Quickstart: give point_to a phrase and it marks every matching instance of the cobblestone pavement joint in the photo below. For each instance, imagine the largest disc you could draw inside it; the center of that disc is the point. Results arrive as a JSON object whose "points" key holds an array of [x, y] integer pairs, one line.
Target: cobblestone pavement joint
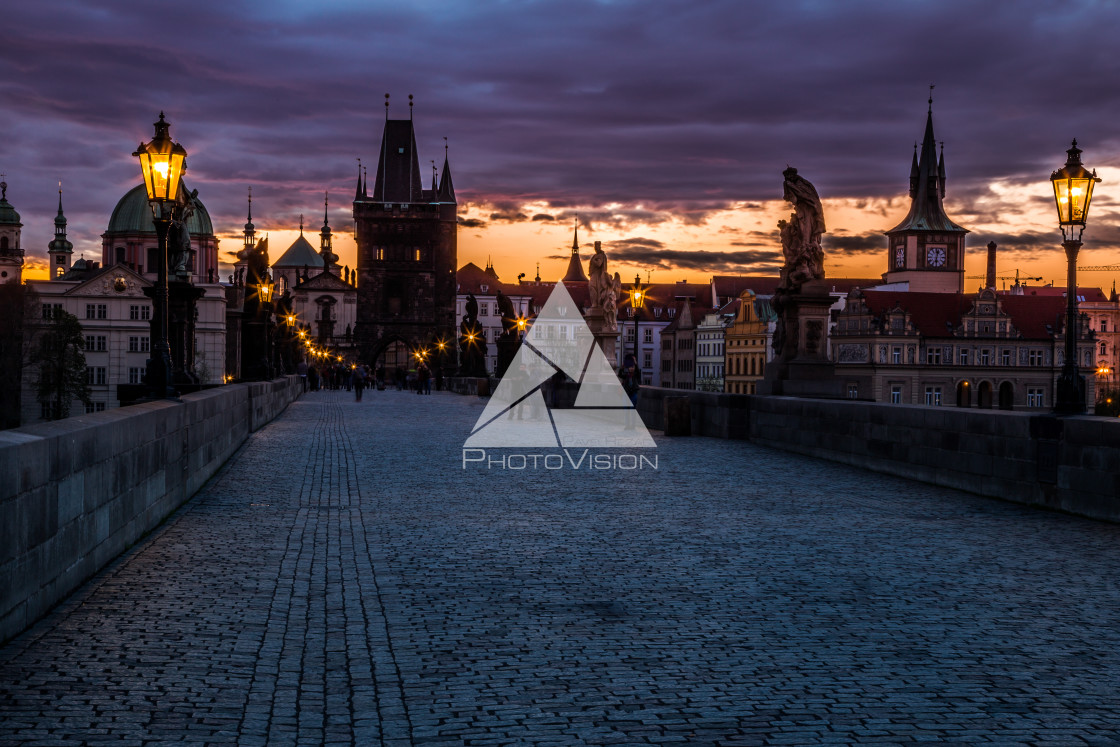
{"points": [[344, 581]]}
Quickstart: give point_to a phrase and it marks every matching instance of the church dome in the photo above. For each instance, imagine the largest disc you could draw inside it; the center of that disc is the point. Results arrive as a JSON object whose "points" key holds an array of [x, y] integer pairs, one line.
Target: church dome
{"points": [[132, 214], [8, 214]]}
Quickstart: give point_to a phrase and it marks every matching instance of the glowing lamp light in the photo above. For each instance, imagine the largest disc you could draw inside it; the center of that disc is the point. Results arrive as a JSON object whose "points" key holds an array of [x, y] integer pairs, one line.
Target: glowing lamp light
{"points": [[1073, 191], [162, 162]]}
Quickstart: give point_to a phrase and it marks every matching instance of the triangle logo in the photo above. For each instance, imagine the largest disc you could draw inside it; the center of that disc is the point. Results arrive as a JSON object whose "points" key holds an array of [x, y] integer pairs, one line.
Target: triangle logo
{"points": [[518, 414]]}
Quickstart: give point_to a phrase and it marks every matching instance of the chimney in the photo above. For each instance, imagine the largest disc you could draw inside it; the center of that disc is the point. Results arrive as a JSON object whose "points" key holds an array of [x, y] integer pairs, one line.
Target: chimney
{"points": [[991, 265]]}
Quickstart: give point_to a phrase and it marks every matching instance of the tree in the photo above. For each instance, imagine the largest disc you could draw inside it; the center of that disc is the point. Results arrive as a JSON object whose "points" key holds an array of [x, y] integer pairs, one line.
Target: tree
{"points": [[61, 365]]}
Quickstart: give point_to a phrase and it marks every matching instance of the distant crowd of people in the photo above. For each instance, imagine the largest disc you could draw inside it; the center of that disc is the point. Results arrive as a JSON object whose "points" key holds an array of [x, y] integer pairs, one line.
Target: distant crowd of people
{"points": [[358, 376]]}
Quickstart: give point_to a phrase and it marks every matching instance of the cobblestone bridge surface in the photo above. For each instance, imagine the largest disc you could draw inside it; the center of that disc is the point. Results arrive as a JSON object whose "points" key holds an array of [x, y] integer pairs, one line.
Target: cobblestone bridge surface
{"points": [[345, 581]]}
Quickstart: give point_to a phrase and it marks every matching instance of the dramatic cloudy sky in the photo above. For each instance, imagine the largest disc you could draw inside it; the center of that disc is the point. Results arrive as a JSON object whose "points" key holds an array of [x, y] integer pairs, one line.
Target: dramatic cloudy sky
{"points": [[662, 126]]}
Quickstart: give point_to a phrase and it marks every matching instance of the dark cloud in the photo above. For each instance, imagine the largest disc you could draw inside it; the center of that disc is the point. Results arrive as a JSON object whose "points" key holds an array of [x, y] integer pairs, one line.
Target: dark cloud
{"points": [[671, 110], [509, 217], [868, 243], [646, 254], [472, 223], [543, 216]]}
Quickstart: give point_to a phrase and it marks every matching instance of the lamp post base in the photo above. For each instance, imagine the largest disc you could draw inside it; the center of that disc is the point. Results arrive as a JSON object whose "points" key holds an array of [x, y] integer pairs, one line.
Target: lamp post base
{"points": [[1070, 399]]}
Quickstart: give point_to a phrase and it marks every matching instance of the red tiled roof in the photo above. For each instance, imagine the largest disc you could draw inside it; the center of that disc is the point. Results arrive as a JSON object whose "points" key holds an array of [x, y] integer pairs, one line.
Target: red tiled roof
{"points": [[1031, 314], [937, 314], [934, 314], [1083, 293]]}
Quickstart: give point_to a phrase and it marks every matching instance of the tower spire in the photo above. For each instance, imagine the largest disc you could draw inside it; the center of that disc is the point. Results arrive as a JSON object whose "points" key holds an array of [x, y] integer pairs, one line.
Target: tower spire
{"points": [[301, 224], [249, 237], [60, 249], [326, 251], [358, 189], [575, 266]]}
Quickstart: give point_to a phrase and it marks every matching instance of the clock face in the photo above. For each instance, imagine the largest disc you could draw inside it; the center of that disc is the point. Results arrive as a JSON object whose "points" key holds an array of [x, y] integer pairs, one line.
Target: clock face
{"points": [[120, 285], [935, 256], [899, 257]]}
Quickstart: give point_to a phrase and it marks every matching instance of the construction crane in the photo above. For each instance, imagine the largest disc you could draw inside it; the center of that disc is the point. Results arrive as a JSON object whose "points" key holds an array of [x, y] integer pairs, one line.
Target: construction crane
{"points": [[1099, 268], [1014, 277]]}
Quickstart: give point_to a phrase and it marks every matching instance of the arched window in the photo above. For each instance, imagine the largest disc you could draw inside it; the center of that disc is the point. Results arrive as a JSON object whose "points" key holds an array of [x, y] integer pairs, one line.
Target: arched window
{"points": [[1104, 348]]}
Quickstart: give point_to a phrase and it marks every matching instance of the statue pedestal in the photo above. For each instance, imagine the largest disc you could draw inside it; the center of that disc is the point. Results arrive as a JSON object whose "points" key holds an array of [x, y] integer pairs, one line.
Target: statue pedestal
{"points": [[181, 312], [507, 345], [801, 367], [605, 338]]}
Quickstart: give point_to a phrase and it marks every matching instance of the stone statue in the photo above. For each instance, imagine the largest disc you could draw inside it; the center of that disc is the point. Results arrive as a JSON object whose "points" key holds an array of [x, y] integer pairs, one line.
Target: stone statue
{"points": [[179, 252], [597, 276], [610, 302], [801, 234], [472, 308], [509, 314]]}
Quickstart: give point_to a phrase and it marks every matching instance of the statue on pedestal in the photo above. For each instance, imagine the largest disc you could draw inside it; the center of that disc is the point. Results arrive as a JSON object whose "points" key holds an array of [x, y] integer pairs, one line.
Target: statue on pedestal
{"points": [[801, 234]]}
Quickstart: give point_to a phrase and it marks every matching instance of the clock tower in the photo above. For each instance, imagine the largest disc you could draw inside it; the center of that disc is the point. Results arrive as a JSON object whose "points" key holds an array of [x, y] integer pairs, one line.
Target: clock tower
{"points": [[926, 249]]}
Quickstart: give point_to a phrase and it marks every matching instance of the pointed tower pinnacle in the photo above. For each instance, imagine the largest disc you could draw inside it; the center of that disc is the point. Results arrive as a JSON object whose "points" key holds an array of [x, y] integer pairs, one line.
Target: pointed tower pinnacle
{"points": [[330, 259], [446, 188], [249, 237], [575, 266], [358, 190], [59, 250]]}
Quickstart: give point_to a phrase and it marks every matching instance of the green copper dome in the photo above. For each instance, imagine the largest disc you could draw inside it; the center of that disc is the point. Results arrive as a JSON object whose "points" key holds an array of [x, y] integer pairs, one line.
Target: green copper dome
{"points": [[8, 214], [132, 214]]}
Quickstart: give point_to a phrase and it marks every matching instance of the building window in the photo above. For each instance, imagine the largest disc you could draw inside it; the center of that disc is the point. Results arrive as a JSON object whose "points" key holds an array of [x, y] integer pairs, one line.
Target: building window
{"points": [[138, 345], [1104, 325], [647, 335], [933, 356], [135, 375], [95, 407], [95, 375], [91, 311], [964, 356], [95, 343], [933, 396], [985, 357], [1005, 357], [647, 359], [1034, 358], [896, 355], [666, 366], [141, 313], [896, 394], [1034, 398], [50, 310], [1104, 348], [853, 391]]}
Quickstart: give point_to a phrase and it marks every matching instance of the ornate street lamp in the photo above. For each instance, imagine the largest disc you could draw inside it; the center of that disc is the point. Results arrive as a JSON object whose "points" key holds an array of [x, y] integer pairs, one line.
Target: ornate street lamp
{"points": [[162, 162], [637, 301], [1073, 190]]}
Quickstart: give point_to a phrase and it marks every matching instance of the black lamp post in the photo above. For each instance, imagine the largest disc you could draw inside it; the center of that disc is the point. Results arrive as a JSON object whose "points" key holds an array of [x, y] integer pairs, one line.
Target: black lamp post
{"points": [[1073, 190], [264, 295], [162, 162], [637, 301]]}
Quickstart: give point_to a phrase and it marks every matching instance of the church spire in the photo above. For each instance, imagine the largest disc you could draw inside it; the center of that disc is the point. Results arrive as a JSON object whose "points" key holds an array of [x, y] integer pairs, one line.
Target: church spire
{"points": [[575, 266], [60, 250], [249, 237], [330, 259], [446, 188], [358, 190]]}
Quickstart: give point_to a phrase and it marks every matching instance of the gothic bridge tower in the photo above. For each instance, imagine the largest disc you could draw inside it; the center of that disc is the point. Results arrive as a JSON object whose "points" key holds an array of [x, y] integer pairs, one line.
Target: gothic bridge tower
{"points": [[406, 237]]}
